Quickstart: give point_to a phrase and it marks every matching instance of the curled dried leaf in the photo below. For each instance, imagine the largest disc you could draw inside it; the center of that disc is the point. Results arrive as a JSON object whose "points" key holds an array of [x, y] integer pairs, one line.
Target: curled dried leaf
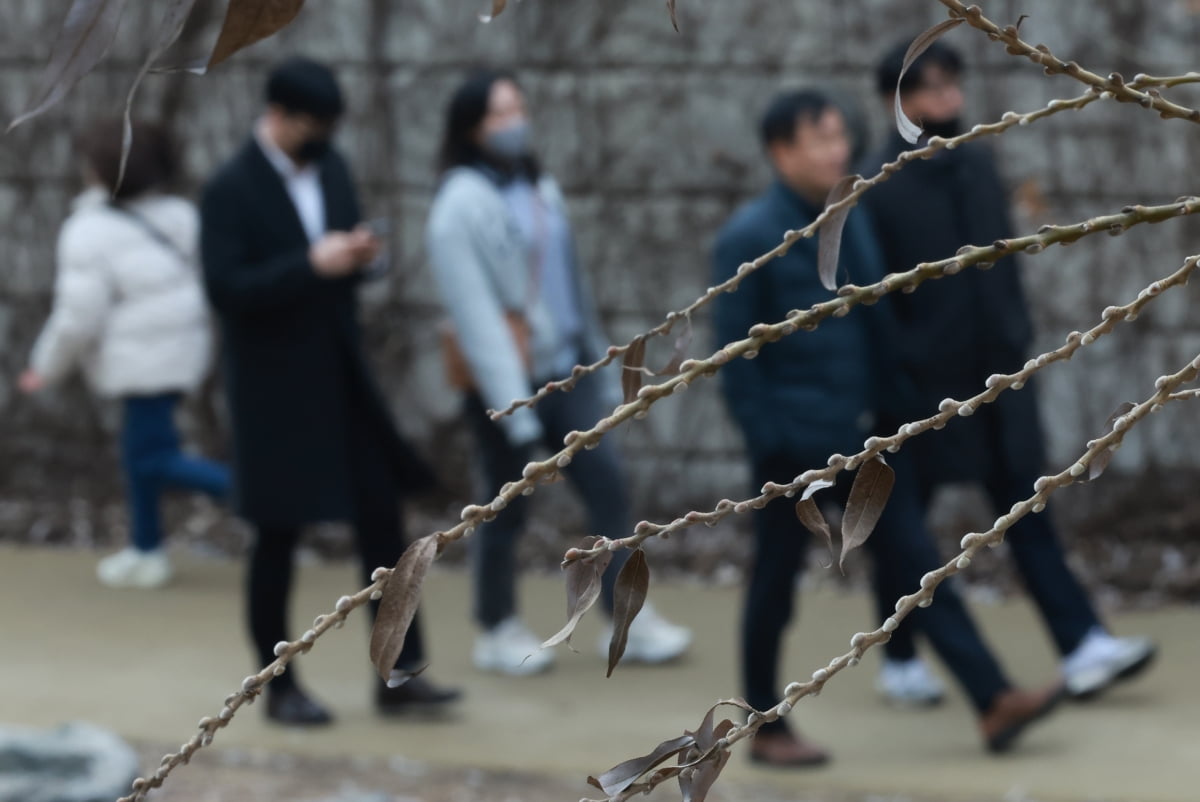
{"points": [[498, 7], [633, 368], [671, 12], [621, 776], [811, 518], [86, 35], [695, 784], [868, 496], [908, 129], [401, 595], [628, 597], [250, 21], [831, 234], [584, 581]]}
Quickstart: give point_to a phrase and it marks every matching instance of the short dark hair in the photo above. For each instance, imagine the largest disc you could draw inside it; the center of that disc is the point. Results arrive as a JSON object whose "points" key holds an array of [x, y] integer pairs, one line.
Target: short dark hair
{"points": [[887, 72], [464, 113], [789, 109], [152, 163], [303, 86]]}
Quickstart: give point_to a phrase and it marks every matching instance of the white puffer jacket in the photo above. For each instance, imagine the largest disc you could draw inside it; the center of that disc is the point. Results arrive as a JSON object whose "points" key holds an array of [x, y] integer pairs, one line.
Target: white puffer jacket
{"points": [[128, 308]]}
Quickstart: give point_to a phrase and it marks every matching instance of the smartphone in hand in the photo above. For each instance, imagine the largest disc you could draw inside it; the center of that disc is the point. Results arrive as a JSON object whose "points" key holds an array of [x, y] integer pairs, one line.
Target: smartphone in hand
{"points": [[379, 227]]}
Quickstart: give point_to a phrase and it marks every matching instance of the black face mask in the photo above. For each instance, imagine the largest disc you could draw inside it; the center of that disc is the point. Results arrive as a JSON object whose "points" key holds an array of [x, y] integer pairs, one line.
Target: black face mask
{"points": [[313, 150], [945, 129]]}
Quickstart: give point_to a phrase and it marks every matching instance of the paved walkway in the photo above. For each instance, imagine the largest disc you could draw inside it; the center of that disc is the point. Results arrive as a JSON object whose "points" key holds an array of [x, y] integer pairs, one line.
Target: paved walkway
{"points": [[150, 664]]}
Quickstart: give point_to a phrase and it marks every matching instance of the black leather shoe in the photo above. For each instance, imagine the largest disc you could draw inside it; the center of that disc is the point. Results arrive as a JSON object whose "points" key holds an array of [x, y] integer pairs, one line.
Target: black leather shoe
{"points": [[292, 707], [418, 695]]}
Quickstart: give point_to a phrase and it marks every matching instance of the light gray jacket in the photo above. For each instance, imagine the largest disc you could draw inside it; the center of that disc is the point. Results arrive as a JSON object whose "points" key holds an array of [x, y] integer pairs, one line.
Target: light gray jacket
{"points": [[481, 264]]}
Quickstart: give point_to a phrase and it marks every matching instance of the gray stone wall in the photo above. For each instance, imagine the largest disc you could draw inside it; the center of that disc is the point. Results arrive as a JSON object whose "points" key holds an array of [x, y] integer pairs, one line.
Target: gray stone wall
{"points": [[652, 135]]}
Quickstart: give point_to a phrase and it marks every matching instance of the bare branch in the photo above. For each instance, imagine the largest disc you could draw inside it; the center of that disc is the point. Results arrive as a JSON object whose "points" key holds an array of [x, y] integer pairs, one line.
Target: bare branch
{"points": [[972, 543]]}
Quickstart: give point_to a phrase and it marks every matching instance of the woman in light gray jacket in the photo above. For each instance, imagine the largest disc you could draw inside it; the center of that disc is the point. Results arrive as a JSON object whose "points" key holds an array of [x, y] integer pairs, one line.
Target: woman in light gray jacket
{"points": [[129, 311], [502, 253]]}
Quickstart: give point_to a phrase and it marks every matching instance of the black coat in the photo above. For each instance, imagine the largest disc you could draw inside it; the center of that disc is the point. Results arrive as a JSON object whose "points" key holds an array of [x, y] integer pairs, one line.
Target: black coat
{"points": [[297, 376], [958, 330]]}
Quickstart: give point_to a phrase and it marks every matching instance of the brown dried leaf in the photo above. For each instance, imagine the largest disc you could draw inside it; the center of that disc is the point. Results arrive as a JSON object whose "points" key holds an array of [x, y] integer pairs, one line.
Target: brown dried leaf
{"points": [[868, 496], [86, 35], [908, 129], [633, 368], [696, 783], [250, 21], [831, 234], [498, 7], [584, 581], [623, 775], [674, 18], [401, 595], [628, 597], [1100, 462], [810, 515]]}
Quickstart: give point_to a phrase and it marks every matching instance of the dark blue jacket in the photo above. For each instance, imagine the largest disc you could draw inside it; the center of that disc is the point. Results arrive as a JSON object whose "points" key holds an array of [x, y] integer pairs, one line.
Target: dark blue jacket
{"points": [[812, 393]]}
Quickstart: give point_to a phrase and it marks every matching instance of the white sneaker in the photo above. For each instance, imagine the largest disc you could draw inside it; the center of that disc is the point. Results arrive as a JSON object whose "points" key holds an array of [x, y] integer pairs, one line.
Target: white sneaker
{"points": [[652, 638], [1100, 660], [909, 683], [132, 568], [510, 648]]}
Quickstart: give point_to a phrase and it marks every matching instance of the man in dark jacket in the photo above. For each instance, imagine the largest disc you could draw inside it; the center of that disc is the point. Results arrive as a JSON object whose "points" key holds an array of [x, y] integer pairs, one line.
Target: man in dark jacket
{"points": [[816, 393], [954, 334], [283, 253]]}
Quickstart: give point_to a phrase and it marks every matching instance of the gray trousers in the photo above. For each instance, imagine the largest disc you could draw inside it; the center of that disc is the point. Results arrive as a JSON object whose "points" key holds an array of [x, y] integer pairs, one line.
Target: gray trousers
{"points": [[596, 476]]}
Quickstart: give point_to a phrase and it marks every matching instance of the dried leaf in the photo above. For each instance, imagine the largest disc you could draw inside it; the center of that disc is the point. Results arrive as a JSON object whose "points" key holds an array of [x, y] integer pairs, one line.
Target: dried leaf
{"points": [[584, 580], [1100, 462], [628, 597], [169, 30], [86, 35], [250, 21], [623, 775], [632, 369], [831, 234], [696, 783], [810, 515], [680, 351], [868, 496], [497, 9], [908, 129], [674, 18], [401, 595]]}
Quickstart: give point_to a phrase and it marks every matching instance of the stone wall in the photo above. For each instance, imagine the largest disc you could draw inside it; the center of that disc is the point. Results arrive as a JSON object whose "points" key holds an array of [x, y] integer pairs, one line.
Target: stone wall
{"points": [[652, 135]]}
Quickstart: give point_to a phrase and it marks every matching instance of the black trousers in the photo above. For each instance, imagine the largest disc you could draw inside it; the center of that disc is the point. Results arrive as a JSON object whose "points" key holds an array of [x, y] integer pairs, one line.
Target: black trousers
{"points": [[1065, 607], [379, 533], [902, 552], [595, 474]]}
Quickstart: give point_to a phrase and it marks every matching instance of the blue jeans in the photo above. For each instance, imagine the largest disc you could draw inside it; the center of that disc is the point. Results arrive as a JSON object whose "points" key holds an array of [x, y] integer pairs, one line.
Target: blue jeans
{"points": [[153, 461]]}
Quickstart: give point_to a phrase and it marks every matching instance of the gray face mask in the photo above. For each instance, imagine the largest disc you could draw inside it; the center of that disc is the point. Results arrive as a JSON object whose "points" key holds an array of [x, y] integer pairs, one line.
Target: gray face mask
{"points": [[510, 143]]}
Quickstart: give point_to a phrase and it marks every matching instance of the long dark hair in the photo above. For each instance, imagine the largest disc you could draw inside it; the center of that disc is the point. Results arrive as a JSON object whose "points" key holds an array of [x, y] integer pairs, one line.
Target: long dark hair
{"points": [[464, 114]]}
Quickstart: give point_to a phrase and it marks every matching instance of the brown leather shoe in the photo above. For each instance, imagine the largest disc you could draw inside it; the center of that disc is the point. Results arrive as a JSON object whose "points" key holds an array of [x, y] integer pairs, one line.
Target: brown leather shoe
{"points": [[1014, 710], [418, 695], [785, 750]]}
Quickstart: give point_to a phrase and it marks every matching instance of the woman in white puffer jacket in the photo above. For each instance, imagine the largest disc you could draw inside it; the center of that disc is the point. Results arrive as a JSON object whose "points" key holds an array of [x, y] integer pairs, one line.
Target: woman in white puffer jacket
{"points": [[129, 310]]}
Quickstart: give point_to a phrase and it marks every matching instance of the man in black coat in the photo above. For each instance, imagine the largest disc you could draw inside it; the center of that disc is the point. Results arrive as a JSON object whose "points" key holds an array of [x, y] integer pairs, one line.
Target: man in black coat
{"points": [[955, 333], [284, 253]]}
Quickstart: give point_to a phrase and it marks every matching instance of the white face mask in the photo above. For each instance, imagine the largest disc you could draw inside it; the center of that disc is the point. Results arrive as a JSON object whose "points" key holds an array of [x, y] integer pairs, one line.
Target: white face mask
{"points": [[509, 143]]}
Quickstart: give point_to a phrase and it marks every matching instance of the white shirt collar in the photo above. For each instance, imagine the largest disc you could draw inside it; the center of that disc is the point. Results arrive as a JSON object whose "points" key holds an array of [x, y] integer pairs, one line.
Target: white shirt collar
{"points": [[282, 162]]}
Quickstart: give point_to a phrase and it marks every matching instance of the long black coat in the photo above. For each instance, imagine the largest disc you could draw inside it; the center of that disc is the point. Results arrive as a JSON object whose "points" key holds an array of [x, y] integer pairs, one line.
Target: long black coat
{"points": [[295, 368], [959, 330]]}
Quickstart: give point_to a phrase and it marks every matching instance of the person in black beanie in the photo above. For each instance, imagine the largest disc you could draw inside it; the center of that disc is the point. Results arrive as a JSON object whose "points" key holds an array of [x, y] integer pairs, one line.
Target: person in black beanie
{"points": [[953, 335], [284, 252]]}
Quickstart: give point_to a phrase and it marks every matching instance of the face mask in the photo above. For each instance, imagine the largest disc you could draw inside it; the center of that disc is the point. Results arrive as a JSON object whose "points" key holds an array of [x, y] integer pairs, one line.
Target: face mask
{"points": [[945, 129], [313, 150], [509, 143]]}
